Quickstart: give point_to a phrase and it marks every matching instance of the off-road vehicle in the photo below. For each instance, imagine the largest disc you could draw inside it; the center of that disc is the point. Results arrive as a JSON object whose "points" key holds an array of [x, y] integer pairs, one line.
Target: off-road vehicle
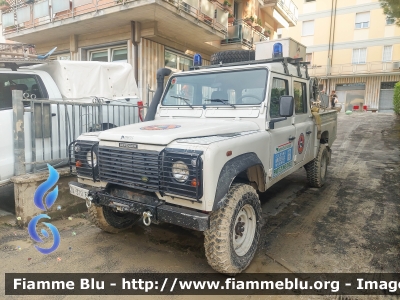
{"points": [[214, 136]]}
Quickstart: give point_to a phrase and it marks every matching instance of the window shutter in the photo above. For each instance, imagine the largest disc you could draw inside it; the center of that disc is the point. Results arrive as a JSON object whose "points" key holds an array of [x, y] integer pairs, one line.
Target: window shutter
{"points": [[355, 56], [308, 28], [387, 53], [362, 17], [363, 56]]}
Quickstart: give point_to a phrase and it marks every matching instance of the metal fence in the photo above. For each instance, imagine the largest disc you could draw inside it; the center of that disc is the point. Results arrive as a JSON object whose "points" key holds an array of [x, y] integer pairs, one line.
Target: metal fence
{"points": [[44, 128]]}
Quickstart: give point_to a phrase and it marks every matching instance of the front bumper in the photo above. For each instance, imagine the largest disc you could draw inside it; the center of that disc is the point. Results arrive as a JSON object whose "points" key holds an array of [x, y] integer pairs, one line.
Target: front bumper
{"points": [[140, 202]]}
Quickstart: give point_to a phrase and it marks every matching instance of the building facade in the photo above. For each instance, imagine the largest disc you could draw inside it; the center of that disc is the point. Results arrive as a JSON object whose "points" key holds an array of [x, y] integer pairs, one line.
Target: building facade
{"points": [[352, 47], [149, 34]]}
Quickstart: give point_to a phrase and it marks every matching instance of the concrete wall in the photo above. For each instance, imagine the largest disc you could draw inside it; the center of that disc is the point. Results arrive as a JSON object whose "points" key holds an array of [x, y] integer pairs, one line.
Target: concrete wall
{"points": [[25, 187]]}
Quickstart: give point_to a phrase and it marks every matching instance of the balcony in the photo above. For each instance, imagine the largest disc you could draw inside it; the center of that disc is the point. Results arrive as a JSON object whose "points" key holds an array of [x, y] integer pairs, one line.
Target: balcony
{"points": [[204, 11], [194, 21], [283, 8], [241, 33], [371, 68]]}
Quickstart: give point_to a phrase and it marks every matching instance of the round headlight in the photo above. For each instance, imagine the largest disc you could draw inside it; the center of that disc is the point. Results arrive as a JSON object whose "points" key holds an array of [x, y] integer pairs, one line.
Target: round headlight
{"points": [[89, 159], [180, 171], [77, 148]]}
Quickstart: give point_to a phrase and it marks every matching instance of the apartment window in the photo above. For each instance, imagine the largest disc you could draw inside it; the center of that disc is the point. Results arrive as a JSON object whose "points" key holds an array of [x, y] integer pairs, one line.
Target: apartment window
{"points": [[362, 20], [308, 28], [300, 97], [359, 56], [390, 21], [177, 61], [387, 53], [119, 54]]}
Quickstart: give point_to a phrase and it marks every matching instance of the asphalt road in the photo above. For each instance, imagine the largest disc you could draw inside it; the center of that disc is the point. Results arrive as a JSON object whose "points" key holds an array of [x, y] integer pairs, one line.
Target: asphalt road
{"points": [[351, 224]]}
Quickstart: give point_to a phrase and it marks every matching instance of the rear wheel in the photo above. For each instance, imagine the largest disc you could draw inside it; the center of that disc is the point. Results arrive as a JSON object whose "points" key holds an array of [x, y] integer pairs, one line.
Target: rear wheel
{"points": [[232, 239], [109, 220], [317, 168]]}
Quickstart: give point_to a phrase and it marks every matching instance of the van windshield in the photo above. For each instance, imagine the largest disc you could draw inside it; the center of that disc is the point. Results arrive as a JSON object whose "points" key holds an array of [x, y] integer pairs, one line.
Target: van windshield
{"points": [[240, 87]]}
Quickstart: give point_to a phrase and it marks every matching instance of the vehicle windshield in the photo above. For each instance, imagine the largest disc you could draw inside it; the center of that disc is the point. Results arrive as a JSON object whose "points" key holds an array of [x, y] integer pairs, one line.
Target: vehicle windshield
{"points": [[244, 87]]}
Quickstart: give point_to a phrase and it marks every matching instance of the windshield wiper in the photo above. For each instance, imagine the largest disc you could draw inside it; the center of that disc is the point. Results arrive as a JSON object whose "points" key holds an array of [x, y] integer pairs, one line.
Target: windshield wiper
{"points": [[224, 101], [184, 99]]}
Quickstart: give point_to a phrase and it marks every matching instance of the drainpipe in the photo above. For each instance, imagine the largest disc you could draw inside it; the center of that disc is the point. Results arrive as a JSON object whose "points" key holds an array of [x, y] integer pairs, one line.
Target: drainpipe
{"points": [[333, 34], [331, 42], [328, 64], [135, 37]]}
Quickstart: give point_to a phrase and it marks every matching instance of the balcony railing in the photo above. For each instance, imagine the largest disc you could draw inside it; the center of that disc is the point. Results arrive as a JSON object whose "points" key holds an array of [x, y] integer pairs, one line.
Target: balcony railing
{"points": [[204, 11], [286, 6], [355, 69], [21, 16], [240, 32]]}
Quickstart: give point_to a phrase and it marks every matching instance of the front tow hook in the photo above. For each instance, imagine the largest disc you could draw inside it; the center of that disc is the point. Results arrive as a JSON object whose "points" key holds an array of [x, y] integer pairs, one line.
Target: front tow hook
{"points": [[147, 218], [89, 200]]}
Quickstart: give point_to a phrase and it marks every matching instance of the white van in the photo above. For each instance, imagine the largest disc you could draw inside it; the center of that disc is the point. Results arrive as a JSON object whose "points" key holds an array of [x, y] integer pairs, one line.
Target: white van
{"points": [[68, 81]]}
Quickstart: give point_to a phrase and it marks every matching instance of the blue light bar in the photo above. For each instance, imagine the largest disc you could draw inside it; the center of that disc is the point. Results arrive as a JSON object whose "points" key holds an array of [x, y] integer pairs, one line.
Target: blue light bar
{"points": [[197, 60], [278, 50]]}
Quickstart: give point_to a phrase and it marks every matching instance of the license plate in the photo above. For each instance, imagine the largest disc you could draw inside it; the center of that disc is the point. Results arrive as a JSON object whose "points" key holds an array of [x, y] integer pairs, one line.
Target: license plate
{"points": [[78, 191]]}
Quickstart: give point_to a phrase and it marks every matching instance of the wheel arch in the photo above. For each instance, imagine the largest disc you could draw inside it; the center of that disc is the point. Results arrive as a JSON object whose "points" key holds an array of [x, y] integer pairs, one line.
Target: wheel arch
{"points": [[245, 164], [324, 137]]}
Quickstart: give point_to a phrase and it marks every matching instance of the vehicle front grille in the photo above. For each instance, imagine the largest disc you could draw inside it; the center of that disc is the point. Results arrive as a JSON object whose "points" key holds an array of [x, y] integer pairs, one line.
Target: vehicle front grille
{"points": [[152, 170], [132, 168]]}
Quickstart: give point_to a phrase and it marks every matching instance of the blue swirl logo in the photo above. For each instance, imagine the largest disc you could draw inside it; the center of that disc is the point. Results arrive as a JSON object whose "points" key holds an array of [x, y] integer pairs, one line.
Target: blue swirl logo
{"points": [[44, 204]]}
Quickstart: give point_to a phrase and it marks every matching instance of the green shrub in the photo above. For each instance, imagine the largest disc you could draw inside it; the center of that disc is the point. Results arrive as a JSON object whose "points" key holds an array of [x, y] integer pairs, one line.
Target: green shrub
{"points": [[396, 98]]}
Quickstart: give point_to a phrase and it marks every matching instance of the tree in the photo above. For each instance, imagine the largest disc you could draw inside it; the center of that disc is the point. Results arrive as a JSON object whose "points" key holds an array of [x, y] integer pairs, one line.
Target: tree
{"points": [[396, 98], [391, 8]]}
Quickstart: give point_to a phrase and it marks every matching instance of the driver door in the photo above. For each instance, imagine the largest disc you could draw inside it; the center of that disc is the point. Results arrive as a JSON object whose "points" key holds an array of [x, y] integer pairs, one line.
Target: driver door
{"points": [[283, 133]]}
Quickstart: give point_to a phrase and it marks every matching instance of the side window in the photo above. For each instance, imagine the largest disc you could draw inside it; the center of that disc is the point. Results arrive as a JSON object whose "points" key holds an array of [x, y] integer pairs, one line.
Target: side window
{"points": [[300, 97], [279, 88], [26, 83]]}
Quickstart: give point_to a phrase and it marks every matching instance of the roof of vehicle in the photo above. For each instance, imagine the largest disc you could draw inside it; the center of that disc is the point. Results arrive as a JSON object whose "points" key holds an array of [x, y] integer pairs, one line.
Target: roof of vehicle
{"points": [[277, 66]]}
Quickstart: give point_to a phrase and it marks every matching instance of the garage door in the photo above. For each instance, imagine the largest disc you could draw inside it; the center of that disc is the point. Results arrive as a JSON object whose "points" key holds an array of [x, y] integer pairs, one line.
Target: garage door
{"points": [[351, 94], [386, 97]]}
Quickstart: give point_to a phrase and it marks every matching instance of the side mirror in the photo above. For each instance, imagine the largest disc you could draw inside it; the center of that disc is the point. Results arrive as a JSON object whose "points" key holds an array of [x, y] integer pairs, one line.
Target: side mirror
{"points": [[286, 104]]}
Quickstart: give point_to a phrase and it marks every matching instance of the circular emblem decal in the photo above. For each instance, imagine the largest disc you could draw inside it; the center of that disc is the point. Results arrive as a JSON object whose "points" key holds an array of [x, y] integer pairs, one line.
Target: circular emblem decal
{"points": [[300, 144], [160, 127]]}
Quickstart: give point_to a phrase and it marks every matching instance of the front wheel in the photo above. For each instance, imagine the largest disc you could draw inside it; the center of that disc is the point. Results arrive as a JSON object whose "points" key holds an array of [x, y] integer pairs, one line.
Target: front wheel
{"points": [[232, 239]]}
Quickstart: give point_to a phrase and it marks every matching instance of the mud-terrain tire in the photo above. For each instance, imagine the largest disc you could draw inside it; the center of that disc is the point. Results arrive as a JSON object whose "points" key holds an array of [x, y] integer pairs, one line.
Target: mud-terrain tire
{"points": [[317, 168], [232, 56], [221, 239], [110, 221]]}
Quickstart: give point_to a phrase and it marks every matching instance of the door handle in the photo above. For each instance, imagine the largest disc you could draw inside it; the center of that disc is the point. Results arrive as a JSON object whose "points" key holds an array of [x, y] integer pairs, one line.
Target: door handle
{"points": [[292, 138], [309, 132]]}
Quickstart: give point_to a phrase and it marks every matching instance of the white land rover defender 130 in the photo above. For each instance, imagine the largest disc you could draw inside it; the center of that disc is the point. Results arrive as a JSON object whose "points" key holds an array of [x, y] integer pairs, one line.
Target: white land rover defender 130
{"points": [[212, 138]]}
